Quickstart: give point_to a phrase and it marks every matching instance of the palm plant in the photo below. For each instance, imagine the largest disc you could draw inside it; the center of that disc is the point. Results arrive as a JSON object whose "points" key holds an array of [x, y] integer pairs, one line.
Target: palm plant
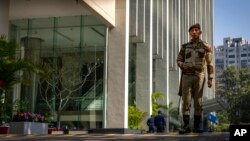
{"points": [[156, 97], [10, 65]]}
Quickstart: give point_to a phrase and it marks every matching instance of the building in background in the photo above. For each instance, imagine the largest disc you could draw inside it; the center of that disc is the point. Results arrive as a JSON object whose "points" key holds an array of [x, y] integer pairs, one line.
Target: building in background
{"points": [[120, 51], [234, 51]]}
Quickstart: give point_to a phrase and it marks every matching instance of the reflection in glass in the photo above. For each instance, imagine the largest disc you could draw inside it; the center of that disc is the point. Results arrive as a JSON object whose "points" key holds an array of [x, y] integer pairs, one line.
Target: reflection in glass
{"points": [[72, 50]]}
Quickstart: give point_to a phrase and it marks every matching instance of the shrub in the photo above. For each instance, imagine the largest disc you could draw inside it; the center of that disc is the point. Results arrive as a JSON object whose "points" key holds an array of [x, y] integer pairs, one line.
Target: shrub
{"points": [[27, 116], [135, 117]]}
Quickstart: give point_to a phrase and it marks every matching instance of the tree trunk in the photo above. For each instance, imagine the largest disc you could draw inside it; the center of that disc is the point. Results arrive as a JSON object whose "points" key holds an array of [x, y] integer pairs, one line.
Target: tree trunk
{"points": [[58, 120]]}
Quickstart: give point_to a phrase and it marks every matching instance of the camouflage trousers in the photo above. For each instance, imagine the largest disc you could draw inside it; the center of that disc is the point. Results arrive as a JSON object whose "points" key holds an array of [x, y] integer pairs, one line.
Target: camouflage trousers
{"points": [[192, 88]]}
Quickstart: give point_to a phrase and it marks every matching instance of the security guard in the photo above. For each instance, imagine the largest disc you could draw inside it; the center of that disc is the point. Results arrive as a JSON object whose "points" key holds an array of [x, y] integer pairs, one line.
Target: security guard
{"points": [[193, 58]]}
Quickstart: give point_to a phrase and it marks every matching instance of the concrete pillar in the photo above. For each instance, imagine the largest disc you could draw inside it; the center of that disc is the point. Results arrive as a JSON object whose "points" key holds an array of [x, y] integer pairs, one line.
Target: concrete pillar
{"points": [[137, 21], [144, 61], [4, 17], [161, 56], [117, 64], [32, 52]]}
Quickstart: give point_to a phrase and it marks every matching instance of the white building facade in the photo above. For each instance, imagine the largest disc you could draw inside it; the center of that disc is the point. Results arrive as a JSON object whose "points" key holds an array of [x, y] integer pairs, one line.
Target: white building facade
{"points": [[234, 51], [134, 43]]}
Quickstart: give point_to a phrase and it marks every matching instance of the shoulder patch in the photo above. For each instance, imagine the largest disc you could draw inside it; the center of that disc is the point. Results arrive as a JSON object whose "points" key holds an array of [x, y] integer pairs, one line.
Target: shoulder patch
{"points": [[207, 47]]}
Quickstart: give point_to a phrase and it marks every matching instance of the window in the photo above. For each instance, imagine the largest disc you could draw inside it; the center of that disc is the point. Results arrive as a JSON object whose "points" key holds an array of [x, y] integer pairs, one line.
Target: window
{"points": [[243, 55], [219, 61], [231, 50], [72, 49], [243, 61], [243, 49], [231, 56]]}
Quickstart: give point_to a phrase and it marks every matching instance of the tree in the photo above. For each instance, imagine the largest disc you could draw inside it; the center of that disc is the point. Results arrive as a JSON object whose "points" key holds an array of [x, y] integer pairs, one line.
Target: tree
{"points": [[10, 65], [236, 91], [10, 68], [223, 118], [62, 83]]}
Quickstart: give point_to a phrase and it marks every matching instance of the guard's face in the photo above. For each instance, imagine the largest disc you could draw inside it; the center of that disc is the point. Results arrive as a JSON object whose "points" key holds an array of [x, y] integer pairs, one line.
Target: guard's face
{"points": [[195, 33]]}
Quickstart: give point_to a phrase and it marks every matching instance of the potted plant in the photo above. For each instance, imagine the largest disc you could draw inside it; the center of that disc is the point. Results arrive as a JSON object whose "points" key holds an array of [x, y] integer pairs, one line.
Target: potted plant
{"points": [[4, 128], [28, 123], [24, 122], [10, 65]]}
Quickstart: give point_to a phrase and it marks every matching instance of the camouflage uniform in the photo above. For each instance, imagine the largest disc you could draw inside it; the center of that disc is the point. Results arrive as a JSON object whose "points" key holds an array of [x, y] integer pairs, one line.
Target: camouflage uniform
{"points": [[196, 56]]}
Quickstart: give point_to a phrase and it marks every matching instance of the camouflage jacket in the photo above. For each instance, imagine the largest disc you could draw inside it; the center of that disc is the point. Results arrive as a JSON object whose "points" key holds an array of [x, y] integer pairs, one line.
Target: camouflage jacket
{"points": [[196, 56]]}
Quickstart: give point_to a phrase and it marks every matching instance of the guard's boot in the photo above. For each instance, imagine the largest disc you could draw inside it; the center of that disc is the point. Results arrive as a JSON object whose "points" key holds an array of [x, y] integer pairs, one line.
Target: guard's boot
{"points": [[186, 128], [197, 128]]}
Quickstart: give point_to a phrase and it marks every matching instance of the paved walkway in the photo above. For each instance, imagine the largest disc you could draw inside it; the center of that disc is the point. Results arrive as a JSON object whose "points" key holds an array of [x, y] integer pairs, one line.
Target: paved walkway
{"points": [[120, 137]]}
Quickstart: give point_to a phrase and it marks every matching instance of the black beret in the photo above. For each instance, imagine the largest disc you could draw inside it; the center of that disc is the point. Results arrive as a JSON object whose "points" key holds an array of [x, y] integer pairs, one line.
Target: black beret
{"points": [[195, 26]]}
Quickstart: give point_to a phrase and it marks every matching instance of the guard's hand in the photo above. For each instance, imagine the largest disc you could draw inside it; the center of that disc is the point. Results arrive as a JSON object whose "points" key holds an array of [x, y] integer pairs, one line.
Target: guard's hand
{"points": [[209, 83], [185, 66]]}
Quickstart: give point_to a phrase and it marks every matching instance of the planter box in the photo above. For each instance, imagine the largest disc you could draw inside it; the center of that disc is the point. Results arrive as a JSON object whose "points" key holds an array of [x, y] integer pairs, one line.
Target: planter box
{"points": [[28, 128], [4, 129], [50, 130]]}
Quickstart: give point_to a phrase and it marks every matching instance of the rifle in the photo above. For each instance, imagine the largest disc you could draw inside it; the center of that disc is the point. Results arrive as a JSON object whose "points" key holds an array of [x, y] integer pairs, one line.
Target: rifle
{"points": [[180, 94], [180, 86], [179, 105]]}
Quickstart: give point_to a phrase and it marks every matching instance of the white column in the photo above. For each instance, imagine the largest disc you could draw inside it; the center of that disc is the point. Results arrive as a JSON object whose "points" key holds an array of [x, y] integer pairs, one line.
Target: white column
{"points": [[4, 17], [144, 59], [118, 57], [161, 76]]}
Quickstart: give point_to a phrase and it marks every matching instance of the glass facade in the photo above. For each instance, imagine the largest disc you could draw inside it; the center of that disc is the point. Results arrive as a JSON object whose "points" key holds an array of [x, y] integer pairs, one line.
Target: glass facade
{"points": [[72, 50]]}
